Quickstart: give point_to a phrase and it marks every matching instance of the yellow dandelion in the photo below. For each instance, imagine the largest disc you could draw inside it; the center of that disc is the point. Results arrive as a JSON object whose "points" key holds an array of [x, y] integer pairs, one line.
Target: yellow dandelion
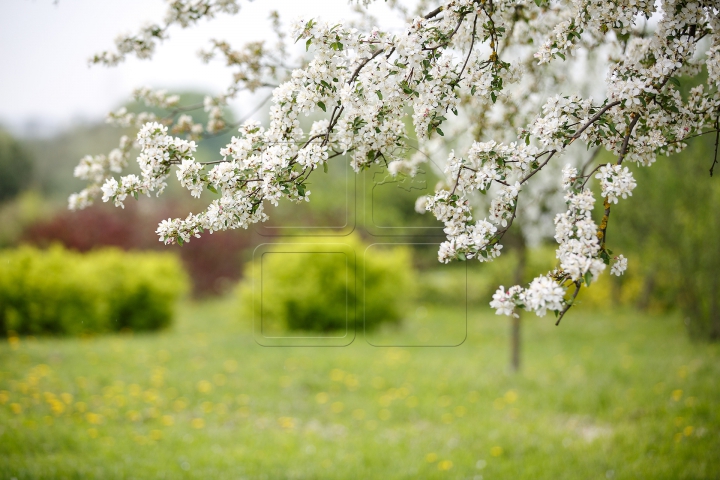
{"points": [[57, 407], [133, 415], [93, 418], [4, 397], [197, 423], [337, 407], [230, 366], [167, 420], [510, 396], [351, 382], [204, 386], [431, 457], [496, 451], [286, 422], [321, 398], [66, 397], [16, 408], [460, 411], [677, 395], [687, 431], [445, 465], [358, 414], [155, 434], [180, 404]]}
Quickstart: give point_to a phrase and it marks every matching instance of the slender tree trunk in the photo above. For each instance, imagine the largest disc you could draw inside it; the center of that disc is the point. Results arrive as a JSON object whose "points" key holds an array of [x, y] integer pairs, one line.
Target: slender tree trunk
{"points": [[515, 343], [715, 309]]}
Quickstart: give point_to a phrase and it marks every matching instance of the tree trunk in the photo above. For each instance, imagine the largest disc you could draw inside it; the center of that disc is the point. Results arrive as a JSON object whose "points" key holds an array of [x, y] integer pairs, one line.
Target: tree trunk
{"points": [[515, 343], [715, 309]]}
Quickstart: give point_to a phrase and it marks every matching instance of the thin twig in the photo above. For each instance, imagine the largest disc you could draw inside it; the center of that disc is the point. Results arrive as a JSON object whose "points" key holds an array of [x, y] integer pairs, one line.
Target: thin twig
{"points": [[570, 303], [717, 140]]}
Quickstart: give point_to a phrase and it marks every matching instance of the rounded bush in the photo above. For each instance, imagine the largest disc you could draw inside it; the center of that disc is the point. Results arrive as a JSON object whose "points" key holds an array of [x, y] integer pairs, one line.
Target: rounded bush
{"points": [[58, 291], [311, 290]]}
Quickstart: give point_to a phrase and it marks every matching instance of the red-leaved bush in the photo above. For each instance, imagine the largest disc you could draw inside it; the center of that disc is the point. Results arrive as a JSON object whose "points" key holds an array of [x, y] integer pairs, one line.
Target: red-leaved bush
{"points": [[213, 261]]}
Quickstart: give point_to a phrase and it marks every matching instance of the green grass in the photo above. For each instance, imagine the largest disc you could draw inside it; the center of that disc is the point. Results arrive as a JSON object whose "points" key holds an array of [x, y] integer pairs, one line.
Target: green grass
{"points": [[601, 396]]}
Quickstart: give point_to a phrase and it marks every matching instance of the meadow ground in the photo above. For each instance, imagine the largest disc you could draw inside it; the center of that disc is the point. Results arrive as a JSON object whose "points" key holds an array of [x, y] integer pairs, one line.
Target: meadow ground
{"points": [[617, 395]]}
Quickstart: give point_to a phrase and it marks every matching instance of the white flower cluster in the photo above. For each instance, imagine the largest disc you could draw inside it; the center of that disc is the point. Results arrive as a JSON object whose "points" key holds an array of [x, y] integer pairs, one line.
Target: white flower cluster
{"points": [[592, 18], [95, 169], [619, 266], [576, 234], [123, 118], [615, 181], [155, 98], [182, 12], [542, 294]]}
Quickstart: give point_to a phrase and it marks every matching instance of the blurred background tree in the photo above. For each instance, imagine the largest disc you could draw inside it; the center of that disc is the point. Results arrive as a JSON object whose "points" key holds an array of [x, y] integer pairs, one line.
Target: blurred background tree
{"points": [[16, 167], [670, 228]]}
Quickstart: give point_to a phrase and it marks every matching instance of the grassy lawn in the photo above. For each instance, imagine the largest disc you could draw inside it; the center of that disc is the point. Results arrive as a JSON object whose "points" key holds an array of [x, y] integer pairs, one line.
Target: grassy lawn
{"points": [[602, 396]]}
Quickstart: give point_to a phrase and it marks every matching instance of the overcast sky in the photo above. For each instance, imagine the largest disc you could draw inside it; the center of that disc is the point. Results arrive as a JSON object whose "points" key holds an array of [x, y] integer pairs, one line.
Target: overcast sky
{"points": [[44, 48]]}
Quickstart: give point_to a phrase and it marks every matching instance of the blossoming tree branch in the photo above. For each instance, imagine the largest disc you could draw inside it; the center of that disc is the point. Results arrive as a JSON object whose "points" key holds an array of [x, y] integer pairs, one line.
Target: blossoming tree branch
{"points": [[469, 55]]}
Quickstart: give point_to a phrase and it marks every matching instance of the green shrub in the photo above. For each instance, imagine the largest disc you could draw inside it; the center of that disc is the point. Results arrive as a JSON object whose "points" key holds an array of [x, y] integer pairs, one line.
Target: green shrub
{"points": [[310, 288], [59, 291]]}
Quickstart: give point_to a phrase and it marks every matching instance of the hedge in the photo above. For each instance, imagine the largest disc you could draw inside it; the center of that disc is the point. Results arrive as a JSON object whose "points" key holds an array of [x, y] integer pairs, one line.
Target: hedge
{"points": [[59, 291]]}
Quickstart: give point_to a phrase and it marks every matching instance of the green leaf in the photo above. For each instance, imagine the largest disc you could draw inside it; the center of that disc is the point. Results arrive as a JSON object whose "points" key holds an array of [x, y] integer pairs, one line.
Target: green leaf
{"points": [[135, 194], [307, 44], [301, 190], [440, 132], [461, 257], [322, 105], [325, 167], [379, 94], [180, 241], [211, 188]]}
